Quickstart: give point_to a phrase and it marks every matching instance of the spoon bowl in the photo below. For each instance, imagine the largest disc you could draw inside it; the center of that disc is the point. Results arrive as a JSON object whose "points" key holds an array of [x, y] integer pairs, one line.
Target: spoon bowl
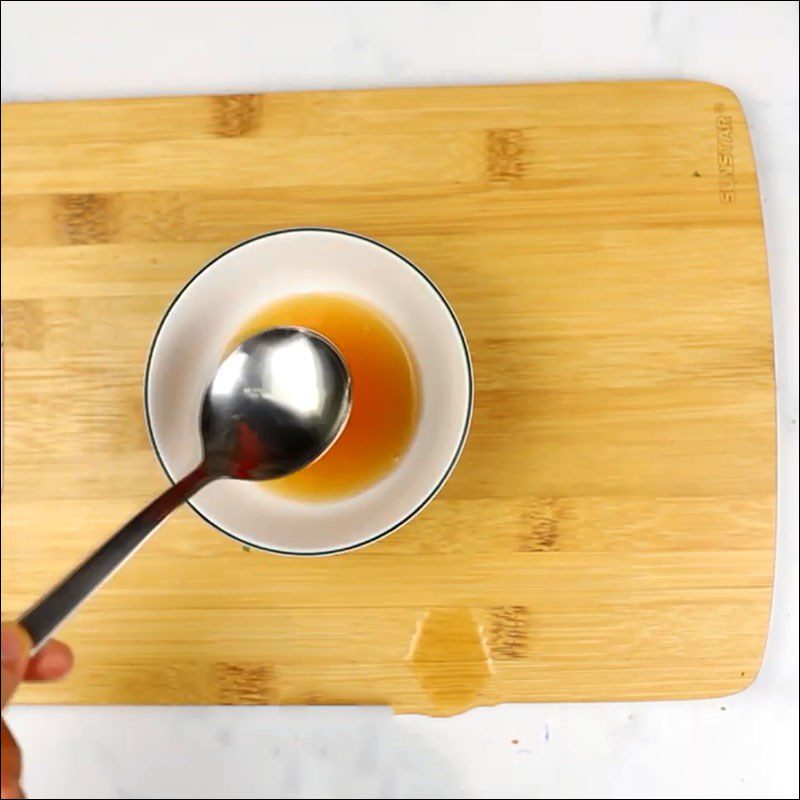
{"points": [[277, 403]]}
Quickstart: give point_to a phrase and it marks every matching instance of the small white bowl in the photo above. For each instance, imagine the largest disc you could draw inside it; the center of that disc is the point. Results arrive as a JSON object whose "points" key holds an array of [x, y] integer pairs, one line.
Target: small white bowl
{"points": [[209, 310]]}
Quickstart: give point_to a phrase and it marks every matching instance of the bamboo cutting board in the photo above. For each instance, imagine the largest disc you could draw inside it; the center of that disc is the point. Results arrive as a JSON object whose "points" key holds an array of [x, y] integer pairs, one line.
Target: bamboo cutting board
{"points": [[609, 532]]}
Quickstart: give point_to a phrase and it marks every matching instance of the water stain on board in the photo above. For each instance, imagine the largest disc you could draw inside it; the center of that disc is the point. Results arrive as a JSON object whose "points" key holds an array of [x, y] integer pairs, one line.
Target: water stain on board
{"points": [[450, 658]]}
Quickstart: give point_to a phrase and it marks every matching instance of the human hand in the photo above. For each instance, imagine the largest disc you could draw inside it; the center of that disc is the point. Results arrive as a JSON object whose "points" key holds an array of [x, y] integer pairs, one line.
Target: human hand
{"points": [[53, 661]]}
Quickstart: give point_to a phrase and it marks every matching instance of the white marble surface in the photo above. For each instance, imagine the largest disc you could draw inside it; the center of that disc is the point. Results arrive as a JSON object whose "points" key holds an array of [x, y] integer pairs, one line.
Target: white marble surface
{"points": [[743, 746]]}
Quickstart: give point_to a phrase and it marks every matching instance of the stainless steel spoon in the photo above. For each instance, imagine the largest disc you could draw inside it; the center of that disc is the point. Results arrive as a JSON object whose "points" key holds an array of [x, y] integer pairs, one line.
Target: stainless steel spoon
{"points": [[276, 404]]}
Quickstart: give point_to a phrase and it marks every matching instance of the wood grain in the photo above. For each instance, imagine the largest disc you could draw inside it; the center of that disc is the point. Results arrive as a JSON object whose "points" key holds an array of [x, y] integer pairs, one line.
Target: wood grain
{"points": [[609, 532]]}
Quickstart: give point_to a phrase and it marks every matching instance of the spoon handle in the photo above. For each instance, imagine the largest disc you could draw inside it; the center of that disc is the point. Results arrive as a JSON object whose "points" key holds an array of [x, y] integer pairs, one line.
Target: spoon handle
{"points": [[51, 610]]}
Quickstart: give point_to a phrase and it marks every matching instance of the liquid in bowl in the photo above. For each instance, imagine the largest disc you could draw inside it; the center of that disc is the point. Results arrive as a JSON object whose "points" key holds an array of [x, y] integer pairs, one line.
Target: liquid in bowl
{"points": [[386, 395]]}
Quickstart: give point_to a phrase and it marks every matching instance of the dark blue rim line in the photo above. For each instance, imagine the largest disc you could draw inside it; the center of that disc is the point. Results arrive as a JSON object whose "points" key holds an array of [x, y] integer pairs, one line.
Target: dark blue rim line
{"points": [[464, 432]]}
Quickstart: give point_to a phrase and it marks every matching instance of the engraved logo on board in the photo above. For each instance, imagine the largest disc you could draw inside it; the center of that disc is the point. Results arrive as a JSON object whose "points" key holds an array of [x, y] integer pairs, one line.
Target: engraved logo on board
{"points": [[725, 165]]}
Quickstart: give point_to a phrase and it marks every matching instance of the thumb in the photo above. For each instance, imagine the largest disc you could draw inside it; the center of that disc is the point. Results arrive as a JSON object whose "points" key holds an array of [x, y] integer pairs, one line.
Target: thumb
{"points": [[14, 650]]}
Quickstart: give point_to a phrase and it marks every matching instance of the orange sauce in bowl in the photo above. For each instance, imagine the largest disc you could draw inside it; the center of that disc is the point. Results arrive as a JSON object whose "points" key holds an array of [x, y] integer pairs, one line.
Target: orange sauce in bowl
{"points": [[386, 399]]}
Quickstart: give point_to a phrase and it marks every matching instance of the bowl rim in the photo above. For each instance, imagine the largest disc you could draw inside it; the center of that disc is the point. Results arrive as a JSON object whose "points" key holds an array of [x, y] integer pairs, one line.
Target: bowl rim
{"points": [[464, 431]]}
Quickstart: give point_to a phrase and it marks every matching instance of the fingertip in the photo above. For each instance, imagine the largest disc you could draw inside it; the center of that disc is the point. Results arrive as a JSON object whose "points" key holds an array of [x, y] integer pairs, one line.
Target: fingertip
{"points": [[53, 661]]}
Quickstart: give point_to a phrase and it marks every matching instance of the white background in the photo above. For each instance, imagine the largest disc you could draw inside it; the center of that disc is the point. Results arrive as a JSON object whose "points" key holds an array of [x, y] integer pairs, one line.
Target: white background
{"points": [[743, 746]]}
